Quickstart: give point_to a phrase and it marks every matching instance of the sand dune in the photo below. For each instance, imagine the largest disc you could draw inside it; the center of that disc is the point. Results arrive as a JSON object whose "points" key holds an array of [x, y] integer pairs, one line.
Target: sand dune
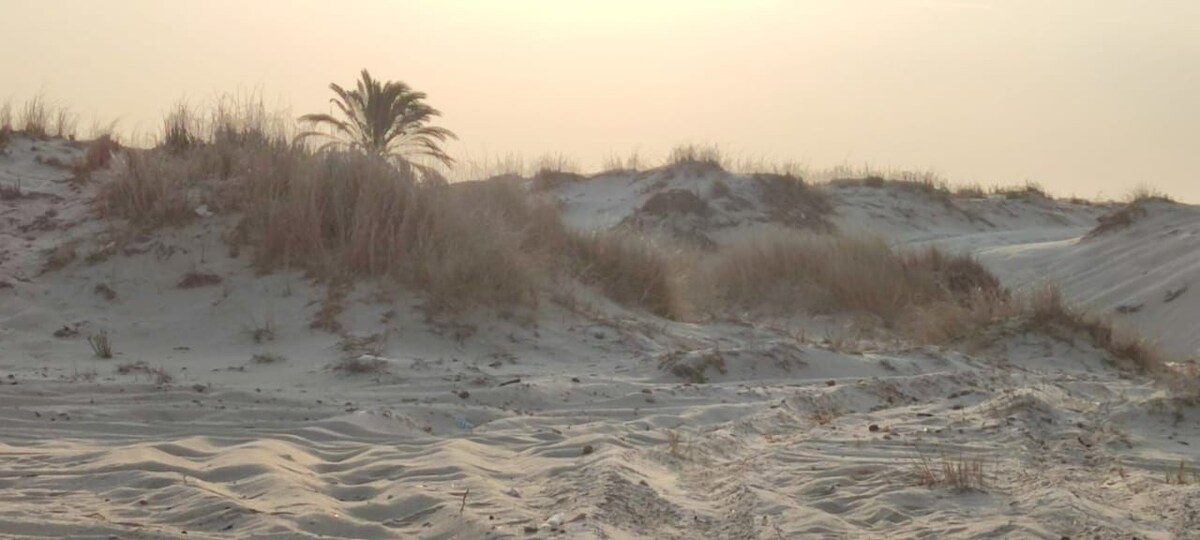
{"points": [[1142, 272], [570, 424]]}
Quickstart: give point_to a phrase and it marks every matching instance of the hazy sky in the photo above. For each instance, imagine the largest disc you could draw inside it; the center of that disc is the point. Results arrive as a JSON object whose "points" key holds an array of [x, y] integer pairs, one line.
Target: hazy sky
{"points": [[1087, 97]]}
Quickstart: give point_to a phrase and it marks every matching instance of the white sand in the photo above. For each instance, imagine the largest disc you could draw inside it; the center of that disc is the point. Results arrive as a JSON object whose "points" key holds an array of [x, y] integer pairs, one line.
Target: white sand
{"points": [[779, 446]]}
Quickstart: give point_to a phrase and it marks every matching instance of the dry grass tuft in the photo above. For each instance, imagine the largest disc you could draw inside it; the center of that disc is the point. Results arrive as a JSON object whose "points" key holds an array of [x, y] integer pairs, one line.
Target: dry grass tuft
{"points": [[631, 269], [6, 118], [927, 296], [793, 202], [326, 317], [101, 344], [790, 271], [1146, 192], [180, 127], [673, 440], [1181, 476], [1042, 311], [35, 117], [556, 164], [11, 192], [345, 216], [1120, 219], [674, 202], [1048, 312], [1028, 190], [165, 186], [99, 155], [706, 156], [1129, 214], [928, 182], [961, 275], [547, 179], [154, 190], [963, 321], [614, 163], [958, 472], [971, 191], [262, 333], [1032, 188], [65, 122], [39, 119]]}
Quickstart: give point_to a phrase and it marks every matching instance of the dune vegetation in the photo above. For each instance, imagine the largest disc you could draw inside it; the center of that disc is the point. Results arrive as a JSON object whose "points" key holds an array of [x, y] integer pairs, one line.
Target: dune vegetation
{"points": [[355, 197], [384, 341]]}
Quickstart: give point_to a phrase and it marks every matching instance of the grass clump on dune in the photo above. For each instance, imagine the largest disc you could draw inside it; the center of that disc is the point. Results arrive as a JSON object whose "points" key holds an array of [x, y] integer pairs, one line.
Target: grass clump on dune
{"points": [[926, 296], [708, 156], [1042, 311], [1047, 309], [631, 269], [343, 215], [347, 215], [822, 273]]}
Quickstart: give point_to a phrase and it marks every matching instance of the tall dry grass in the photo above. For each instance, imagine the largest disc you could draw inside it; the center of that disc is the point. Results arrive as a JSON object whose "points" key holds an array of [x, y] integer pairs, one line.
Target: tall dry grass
{"points": [[926, 295], [338, 216], [1146, 192], [6, 116], [1043, 311], [347, 216], [867, 174], [793, 202], [35, 117], [99, 153], [190, 160], [787, 271], [180, 129], [1047, 309], [632, 269], [958, 472], [6, 123], [488, 243], [614, 162], [351, 216], [153, 190], [1137, 206], [697, 154], [967, 320], [39, 118]]}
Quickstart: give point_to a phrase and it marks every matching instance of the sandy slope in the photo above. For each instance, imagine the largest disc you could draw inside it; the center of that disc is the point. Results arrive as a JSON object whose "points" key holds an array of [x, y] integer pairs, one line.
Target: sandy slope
{"points": [[1027, 241], [725, 205], [551, 424], [1145, 272]]}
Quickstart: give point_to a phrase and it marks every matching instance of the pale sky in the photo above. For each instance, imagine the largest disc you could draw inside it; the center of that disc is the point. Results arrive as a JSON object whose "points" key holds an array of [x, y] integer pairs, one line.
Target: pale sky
{"points": [[1087, 97]]}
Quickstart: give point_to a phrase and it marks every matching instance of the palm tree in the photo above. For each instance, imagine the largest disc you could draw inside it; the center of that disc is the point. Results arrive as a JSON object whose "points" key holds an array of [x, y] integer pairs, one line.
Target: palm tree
{"points": [[385, 118]]}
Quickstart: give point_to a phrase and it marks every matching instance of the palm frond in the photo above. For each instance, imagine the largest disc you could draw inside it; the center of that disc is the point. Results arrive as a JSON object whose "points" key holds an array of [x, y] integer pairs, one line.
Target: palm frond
{"points": [[387, 118]]}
